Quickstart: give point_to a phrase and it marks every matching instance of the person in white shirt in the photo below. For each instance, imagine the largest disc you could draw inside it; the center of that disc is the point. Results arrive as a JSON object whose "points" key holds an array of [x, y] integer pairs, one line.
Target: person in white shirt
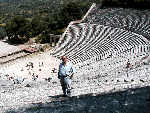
{"points": [[65, 73]]}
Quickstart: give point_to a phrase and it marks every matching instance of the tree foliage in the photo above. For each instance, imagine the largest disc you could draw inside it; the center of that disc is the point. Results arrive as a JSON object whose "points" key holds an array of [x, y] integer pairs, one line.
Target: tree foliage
{"points": [[70, 12], [138, 4], [3, 33], [18, 30], [43, 38]]}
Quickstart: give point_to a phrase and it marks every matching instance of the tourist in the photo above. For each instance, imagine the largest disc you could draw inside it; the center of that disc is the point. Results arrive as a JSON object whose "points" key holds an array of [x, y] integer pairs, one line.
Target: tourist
{"points": [[128, 64], [65, 74]]}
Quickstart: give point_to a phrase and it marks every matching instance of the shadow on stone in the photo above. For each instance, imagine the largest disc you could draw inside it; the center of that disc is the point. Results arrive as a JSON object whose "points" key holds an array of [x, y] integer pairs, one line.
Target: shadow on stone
{"points": [[57, 96], [128, 101]]}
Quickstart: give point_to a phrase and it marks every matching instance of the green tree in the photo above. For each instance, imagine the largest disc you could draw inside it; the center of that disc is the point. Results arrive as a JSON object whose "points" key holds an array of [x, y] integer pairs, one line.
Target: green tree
{"points": [[38, 24], [43, 38], [2, 33], [18, 30], [70, 12]]}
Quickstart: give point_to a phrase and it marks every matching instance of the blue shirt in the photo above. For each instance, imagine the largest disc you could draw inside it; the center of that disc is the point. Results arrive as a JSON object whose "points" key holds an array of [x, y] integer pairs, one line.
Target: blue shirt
{"points": [[65, 70]]}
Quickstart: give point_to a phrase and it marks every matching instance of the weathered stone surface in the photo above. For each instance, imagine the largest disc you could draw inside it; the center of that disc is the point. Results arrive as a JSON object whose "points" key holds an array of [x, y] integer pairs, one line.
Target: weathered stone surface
{"points": [[118, 102]]}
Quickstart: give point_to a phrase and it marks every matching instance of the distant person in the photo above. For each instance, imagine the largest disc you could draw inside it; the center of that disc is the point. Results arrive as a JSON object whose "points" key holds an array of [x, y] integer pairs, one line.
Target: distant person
{"points": [[128, 64], [65, 74], [54, 70]]}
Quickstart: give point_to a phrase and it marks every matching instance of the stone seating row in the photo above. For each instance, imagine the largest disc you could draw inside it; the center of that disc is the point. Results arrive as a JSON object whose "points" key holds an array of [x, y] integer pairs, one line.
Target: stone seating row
{"points": [[125, 18], [13, 57], [96, 42]]}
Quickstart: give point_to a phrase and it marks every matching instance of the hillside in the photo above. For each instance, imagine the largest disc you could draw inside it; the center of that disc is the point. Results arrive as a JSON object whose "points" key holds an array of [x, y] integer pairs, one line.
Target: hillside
{"points": [[49, 16], [30, 8]]}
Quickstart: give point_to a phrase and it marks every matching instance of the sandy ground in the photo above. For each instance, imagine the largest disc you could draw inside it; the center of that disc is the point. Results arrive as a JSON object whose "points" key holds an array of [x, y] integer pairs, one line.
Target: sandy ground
{"points": [[43, 65], [17, 95]]}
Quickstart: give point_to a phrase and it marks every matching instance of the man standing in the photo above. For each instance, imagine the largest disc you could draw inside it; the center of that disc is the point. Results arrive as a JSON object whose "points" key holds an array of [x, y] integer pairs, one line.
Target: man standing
{"points": [[65, 73]]}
